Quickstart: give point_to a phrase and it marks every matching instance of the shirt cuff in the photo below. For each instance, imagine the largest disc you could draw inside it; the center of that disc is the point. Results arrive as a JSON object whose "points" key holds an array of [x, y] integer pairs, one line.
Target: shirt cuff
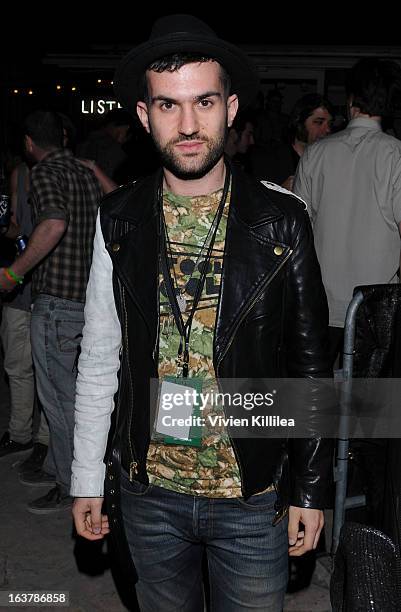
{"points": [[52, 214], [88, 484]]}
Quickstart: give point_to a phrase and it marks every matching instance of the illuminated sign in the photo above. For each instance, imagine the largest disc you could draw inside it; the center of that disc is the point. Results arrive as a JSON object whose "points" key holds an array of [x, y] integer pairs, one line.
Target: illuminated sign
{"points": [[98, 107]]}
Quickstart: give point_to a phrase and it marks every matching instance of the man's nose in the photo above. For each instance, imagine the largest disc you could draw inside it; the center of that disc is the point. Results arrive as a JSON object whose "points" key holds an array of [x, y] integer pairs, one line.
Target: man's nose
{"points": [[189, 123]]}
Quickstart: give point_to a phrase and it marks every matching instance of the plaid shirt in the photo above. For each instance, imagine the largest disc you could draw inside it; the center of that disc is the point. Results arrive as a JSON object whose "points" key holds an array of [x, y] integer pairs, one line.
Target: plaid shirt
{"points": [[62, 188]]}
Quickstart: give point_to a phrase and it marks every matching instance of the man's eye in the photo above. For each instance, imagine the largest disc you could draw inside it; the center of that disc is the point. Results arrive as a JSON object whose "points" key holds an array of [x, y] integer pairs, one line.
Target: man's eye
{"points": [[167, 105], [205, 103]]}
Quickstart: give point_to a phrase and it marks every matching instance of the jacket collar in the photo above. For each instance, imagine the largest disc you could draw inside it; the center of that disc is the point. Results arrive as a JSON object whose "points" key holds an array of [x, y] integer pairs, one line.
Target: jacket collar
{"points": [[138, 202], [250, 199]]}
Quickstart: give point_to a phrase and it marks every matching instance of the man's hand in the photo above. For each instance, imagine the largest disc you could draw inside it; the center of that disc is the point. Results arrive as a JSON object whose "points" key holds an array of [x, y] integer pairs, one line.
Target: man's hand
{"points": [[89, 521], [301, 541], [6, 285]]}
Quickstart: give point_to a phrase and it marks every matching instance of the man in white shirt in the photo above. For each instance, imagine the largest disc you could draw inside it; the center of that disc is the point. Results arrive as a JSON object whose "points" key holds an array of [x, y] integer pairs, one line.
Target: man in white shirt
{"points": [[352, 180]]}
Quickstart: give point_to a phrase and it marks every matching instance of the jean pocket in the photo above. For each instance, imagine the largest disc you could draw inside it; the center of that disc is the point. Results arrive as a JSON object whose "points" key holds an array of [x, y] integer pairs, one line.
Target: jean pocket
{"points": [[134, 487], [262, 501], [69, 335], [38, 310]]}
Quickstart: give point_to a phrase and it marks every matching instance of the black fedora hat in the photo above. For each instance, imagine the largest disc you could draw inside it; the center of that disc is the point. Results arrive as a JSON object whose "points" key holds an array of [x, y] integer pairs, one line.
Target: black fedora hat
{"points": [[180, 34]]}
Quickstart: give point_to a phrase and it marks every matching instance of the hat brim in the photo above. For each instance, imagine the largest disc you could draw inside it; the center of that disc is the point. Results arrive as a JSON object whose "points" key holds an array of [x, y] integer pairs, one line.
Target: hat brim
{"points": [[243, 74]]}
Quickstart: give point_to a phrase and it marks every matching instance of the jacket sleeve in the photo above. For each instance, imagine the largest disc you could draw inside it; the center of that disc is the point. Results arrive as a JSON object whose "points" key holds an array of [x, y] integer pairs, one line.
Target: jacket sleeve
{"points": [[97, 375], [306, 341]]}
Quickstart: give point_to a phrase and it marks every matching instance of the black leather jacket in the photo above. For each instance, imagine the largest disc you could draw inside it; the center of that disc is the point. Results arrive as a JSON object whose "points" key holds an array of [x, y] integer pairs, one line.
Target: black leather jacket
{"points": [[272, 321]]}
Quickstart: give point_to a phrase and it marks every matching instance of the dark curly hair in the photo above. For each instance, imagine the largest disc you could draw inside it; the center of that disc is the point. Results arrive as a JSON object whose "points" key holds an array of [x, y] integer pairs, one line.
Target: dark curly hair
{"points": [[303, 109]]}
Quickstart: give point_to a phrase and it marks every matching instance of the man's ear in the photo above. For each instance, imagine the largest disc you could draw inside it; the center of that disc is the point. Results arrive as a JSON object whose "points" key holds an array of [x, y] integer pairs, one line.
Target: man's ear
{"points": [[143, 114], [232, 108]]}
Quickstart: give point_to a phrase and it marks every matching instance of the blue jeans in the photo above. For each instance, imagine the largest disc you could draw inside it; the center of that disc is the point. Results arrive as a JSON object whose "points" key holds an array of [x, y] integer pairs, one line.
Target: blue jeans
{"points": [[56, 332], [167, 532]]}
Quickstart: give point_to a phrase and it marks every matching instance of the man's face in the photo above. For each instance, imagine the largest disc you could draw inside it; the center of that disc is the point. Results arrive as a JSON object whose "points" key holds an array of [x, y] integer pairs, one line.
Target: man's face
{"points": [[318, 124], [187, 116]]}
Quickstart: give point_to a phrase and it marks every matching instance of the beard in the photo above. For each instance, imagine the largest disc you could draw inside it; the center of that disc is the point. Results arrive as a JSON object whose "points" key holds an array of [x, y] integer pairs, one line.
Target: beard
{"points": [[192, 166]]}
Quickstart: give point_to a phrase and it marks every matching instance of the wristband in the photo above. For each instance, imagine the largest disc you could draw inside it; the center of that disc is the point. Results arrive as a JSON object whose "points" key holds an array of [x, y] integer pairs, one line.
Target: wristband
{"points": [[10, 274]]}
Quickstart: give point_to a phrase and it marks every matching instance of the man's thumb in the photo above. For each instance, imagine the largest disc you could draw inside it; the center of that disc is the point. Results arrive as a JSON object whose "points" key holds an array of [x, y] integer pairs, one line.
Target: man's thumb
{"points": [[293, 525], [96, 522]]}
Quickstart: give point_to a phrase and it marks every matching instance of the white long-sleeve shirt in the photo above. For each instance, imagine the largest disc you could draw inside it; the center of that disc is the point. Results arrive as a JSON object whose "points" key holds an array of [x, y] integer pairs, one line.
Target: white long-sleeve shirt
{"points": [[97, 375]]}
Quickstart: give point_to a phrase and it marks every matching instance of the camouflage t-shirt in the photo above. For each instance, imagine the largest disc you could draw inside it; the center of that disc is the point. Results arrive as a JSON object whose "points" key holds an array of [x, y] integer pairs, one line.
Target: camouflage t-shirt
{"points": [[210, 469]]}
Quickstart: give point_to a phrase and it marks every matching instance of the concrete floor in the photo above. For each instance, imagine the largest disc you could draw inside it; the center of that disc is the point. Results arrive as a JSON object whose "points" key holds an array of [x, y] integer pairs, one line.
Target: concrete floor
{"points": [[40, 553]]}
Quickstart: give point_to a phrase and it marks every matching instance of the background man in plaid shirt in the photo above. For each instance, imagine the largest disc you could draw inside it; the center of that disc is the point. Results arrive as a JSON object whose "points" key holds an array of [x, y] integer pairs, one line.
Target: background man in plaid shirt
{"points": [[64, 196]]}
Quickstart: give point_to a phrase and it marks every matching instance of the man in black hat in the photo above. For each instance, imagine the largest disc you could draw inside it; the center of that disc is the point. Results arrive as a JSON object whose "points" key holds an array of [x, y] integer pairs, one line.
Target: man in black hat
{"points": [[198, 273]]}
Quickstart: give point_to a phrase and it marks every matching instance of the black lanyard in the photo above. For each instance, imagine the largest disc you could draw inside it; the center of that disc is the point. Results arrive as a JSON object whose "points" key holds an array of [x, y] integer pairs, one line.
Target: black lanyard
{"points": [[185, 328]]}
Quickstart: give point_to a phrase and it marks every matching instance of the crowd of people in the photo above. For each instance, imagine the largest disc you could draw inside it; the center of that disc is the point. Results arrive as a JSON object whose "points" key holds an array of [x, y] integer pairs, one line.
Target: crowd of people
{"points": [[235, 258]]}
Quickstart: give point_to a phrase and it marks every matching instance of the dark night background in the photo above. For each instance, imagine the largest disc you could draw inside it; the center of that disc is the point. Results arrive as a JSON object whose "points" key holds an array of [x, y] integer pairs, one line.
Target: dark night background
{"points": [[74, 44], [65, 28]]}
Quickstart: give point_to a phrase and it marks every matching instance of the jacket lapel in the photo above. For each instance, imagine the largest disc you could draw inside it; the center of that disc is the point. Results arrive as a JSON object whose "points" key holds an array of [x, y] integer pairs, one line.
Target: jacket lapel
{"points": [[135, 252], [251, 258]]}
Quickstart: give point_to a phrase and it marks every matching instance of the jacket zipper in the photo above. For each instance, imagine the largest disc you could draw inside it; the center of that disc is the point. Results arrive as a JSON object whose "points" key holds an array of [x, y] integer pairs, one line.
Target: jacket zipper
{"points": [[134, 464], [250, 306], [155, 349], [262, 288], [133, 467]]}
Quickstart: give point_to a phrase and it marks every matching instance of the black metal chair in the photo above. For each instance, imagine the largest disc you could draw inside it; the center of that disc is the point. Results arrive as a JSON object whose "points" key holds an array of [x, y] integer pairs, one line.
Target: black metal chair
{"points": [[365, 572]]}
